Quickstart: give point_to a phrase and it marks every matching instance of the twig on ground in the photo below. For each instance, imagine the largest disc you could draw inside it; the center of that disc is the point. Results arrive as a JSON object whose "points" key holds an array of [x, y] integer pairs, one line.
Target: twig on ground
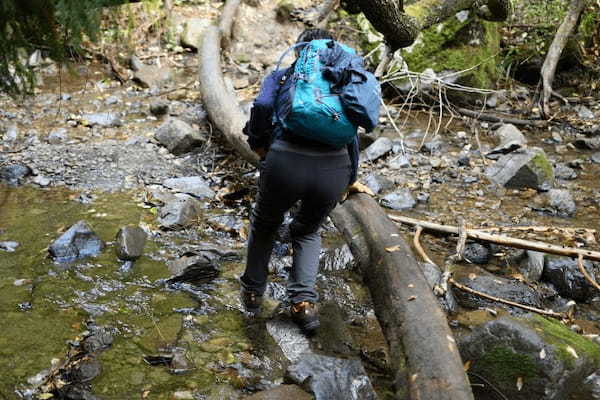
{"points": [[494, 118], [585, 273]]}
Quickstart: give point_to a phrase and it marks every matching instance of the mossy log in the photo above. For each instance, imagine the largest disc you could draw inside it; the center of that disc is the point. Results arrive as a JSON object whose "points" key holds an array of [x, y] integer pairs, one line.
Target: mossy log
{"points": [[400, 26], [422, 348]]}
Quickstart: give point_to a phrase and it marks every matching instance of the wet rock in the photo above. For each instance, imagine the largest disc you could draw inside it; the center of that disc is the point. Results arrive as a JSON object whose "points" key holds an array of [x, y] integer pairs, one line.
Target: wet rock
{"points": [[564, 274], [192, 32], [595, 158], [14, 174], [399, 162], [379, 148], [103, 120], [293, 343], [585, 143], [193, 185], [399, 200], [197, 269], [282, 392], [329, 378], [494, 285], [77, 242], [584, 113], [336, 259], [97, 341], [562, 171], [41, 180], [378, 183], [510, 139], [8, 246], [158, 108], [177, 136], [528, 358], [58, 136], [150, 76], [435, 146], [532, 266], [463, 159], [75, 392], [556, 202], [477, 253], [130, 242], [86, 371], [179, 212], [526, 168]]}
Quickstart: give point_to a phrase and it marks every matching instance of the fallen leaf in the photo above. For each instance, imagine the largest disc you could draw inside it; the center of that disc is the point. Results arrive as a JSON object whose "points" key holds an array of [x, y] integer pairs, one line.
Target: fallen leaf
{"points": [[392, 248], [411, 298], [467, 365], [519, 383], [472, 276], [543, 354]]}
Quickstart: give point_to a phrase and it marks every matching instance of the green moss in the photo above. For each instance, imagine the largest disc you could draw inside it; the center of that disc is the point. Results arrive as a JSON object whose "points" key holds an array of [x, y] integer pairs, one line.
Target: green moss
{"points": [[561, 336], [506, 366], [445, 47], [540, 163]]}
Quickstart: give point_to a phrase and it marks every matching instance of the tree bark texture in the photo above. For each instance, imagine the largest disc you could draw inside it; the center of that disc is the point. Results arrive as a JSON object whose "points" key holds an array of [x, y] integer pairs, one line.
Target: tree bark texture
{"points": [[555, 50], [422, 348], [221, 105], [400, 26]]}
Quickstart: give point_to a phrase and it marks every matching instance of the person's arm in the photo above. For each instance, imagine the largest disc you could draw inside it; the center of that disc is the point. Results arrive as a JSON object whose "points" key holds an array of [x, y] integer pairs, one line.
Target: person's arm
{"points": [[260, 125]]}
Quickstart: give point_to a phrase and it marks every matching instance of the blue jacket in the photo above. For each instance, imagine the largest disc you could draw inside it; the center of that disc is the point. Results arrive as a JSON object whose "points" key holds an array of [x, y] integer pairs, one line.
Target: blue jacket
{"points": [[261, 130]]}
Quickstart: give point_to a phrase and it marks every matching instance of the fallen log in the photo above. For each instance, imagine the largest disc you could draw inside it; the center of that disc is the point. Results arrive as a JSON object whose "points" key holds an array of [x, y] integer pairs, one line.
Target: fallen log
{"points": [[422, 348], [502, 240], [420, 341]]}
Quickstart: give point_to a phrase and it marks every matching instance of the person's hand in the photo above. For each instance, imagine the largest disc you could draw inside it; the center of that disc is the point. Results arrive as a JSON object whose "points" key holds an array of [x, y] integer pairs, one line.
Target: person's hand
{"points": [[357, 187], [261, 152]]}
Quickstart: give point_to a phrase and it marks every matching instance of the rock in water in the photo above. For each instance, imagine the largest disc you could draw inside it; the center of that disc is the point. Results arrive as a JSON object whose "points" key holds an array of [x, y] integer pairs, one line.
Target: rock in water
{"points": [[150, 76], [179, 212], [193, 269], [564, 274], [77, 242], [159, 108], [510, 139], [399, 200], [104, 120], [9, 247], [14, 174], [529, 358], [477, 253], [526, 168], [177, 136], [130, 242], [378, 149], [378, 183], [562, 202], [330, 378]]}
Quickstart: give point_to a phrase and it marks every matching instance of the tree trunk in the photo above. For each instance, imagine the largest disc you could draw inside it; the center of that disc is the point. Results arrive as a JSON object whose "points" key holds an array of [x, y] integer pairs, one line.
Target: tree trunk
{"points": [[555, 50], [422, 349], [400, 26]]}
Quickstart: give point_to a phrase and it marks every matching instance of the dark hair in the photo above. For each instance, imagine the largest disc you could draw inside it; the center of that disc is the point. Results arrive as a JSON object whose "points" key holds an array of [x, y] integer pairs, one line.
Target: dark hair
{"points": [[312, 34]]}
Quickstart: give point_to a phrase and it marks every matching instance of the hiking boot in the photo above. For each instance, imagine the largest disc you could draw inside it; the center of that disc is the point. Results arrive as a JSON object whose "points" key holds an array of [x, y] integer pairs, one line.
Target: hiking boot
{"points": [[305, 315], [251, 301]]}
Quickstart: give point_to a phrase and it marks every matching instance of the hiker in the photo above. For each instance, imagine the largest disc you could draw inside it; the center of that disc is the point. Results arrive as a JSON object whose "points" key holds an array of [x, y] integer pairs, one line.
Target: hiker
{"points": [[296, 166]]}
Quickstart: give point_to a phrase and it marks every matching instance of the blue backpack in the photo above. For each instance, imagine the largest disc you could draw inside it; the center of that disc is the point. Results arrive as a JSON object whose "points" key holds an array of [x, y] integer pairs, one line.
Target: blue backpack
{"points": [[327, 94]]}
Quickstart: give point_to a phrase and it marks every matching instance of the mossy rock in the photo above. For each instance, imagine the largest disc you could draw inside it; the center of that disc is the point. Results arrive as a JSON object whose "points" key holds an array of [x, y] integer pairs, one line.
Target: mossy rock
{"points": [[458, 44], [530, 358]]}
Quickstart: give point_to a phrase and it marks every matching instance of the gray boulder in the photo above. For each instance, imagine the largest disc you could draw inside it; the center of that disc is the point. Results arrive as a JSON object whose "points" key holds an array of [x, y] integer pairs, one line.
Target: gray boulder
{"points": [[378, 183], [400, 161], [195, 269], [477, 253], [181, 211], [557, 202], [103, 120], [399, 200], [564, 172], [77, 242], [14, 174], [159, 108], [130, 242], [509, 138], [192, 32], [329, 378], [563, 273], [150, 76], [378, 148], [525, 168], [192, 185], [177, 136], [529, 358]]}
